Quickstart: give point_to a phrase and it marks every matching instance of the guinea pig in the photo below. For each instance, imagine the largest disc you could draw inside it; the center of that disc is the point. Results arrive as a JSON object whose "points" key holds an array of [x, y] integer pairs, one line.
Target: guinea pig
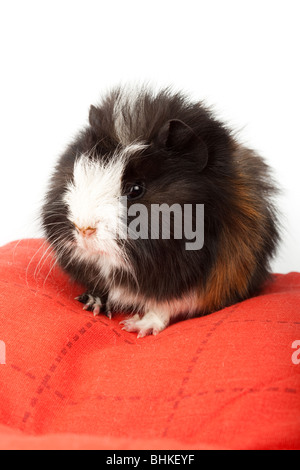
{"points": [[155, 148]]}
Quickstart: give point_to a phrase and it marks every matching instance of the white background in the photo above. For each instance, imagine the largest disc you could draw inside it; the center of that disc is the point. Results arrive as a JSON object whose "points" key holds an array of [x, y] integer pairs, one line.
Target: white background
{"points": [[57, 57]]}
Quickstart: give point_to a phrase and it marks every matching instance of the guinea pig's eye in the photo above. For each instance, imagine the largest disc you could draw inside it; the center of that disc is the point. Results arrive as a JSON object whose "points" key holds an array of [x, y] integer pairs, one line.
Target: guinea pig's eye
{"points": [[135, 191]]}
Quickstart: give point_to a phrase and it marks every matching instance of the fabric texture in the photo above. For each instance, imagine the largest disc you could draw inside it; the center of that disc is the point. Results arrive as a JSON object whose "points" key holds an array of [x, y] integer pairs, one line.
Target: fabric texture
{"points": [[224, 381]]}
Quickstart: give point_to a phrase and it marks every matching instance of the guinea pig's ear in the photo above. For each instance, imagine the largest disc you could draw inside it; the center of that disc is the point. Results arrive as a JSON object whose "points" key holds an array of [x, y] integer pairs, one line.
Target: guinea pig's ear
{"points": [[95, 117], [177, 136]]}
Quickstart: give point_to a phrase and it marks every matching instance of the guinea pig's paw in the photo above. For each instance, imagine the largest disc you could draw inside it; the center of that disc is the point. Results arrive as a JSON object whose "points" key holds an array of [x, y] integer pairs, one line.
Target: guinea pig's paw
{"points": [[149, 324], [93, 304]]}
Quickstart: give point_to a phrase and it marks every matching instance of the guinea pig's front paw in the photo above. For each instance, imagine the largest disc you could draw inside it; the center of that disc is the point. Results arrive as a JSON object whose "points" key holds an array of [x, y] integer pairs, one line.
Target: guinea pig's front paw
{"points": [[149, 324], [94, 304]]}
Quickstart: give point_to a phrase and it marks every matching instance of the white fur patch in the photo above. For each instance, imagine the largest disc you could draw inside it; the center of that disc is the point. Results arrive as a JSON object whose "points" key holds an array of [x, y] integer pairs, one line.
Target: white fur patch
{"points": [[122, 299], [130, 102], [150, 323], [125, 105], [93, 201], [157, 315], [188, 304], [95, 190]]}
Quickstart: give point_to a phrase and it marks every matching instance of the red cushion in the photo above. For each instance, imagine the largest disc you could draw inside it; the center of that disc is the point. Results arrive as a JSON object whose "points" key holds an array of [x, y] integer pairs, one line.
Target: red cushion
{"points": [[73, 381]]}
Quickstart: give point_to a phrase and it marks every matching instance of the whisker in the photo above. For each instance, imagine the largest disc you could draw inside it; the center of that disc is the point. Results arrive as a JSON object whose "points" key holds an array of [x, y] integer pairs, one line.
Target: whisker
{"points": [[29, 264], [51, 269]]}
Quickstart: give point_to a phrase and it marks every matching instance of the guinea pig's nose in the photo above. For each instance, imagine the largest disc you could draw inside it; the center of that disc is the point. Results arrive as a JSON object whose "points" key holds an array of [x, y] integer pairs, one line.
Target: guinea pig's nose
{"points": [[86, 232]]}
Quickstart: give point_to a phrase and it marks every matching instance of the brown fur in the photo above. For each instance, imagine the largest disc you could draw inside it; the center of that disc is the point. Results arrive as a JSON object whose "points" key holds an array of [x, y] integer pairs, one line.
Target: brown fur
{"points": [[236, 261]]}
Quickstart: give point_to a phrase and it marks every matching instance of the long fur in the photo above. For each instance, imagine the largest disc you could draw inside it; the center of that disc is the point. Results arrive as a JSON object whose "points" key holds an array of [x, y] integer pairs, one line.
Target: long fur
{"points": [[182, 154]]}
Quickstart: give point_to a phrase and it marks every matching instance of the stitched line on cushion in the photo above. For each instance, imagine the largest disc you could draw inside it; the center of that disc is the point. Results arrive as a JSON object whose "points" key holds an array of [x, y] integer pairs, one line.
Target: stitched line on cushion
{"points": [[44, 385], [265, 321], [27, 374], [217, 391], [191, 368]]}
